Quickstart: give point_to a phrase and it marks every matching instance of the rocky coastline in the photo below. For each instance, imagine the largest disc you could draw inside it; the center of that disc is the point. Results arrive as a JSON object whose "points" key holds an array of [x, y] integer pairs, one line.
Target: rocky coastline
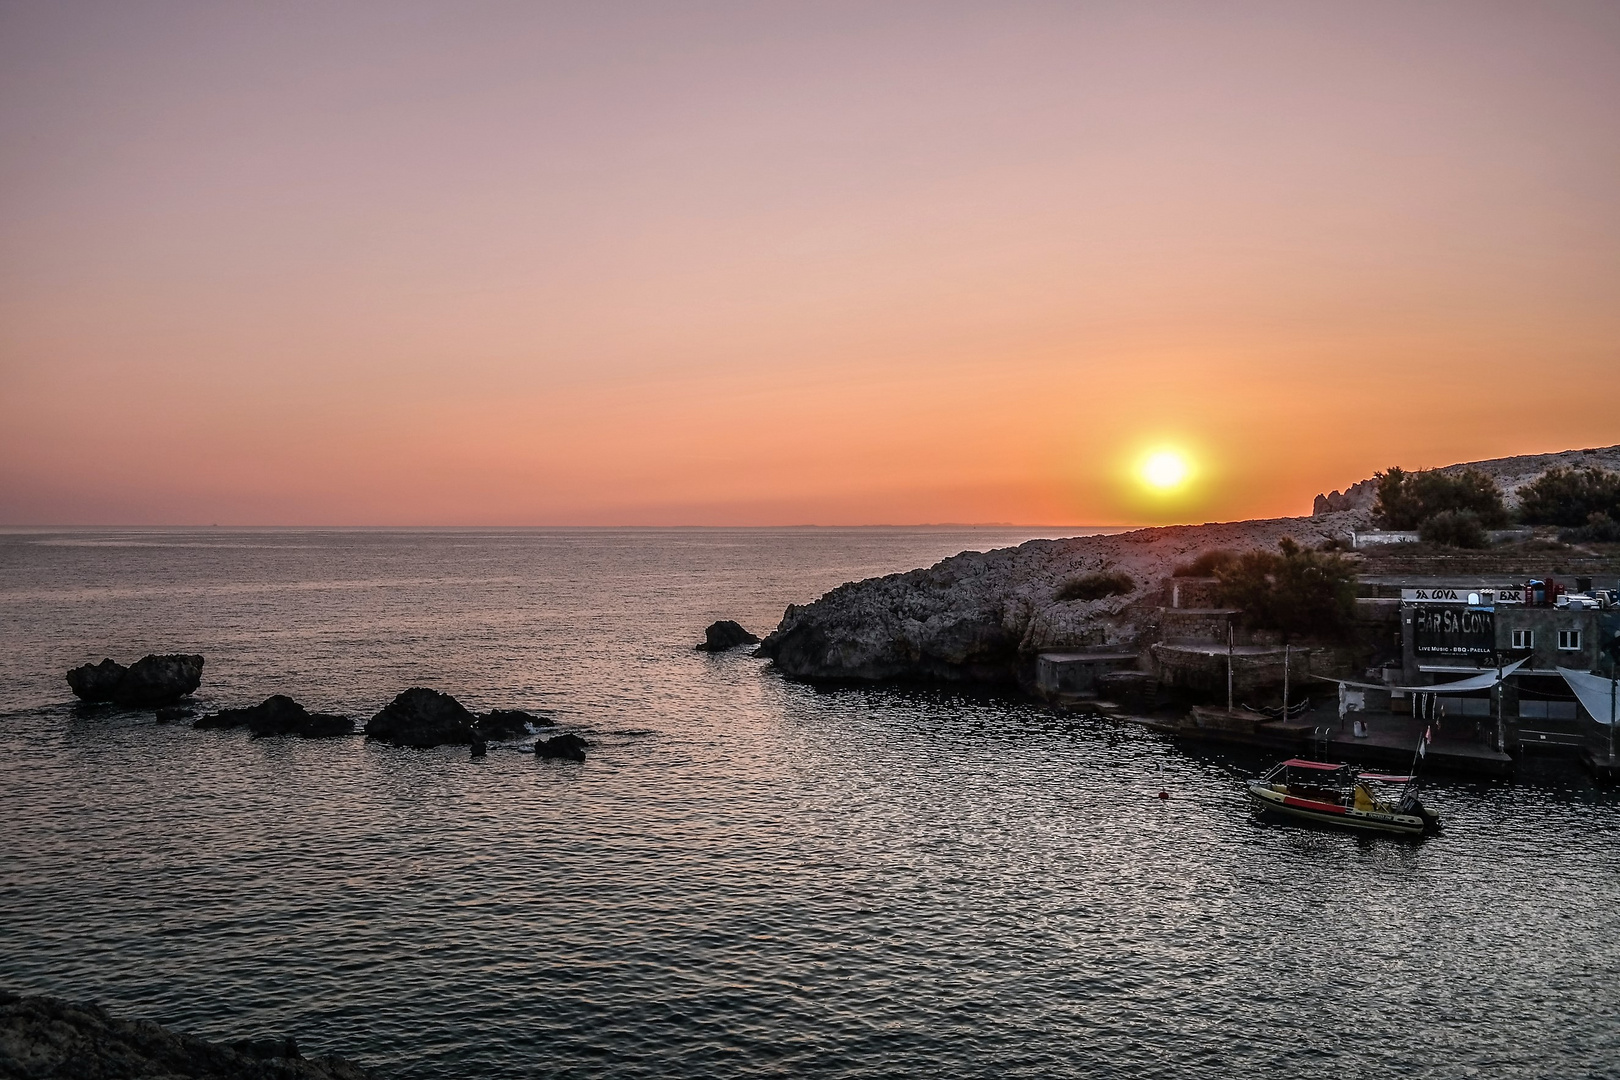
{"points": [[46, 1037], [983, 617]]}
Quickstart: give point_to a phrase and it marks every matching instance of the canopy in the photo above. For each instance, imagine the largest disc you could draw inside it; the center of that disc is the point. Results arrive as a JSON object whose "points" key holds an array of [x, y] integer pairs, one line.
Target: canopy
{"points": [[1301, 763], [1595, 692], [1483, 681]]}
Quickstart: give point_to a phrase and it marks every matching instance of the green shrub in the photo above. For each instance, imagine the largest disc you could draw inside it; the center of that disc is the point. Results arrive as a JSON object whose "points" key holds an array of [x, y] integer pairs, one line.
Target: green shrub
{"points": [[1205, 564], [1570, 497], [1454, 528], [1600, 528], [1406, 500], [1096, 586], [1291, 590]]}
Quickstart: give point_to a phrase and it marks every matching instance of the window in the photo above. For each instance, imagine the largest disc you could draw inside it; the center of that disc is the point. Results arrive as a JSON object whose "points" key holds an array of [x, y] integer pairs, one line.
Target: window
{"points": [[1524, 639], [1569, 640]]}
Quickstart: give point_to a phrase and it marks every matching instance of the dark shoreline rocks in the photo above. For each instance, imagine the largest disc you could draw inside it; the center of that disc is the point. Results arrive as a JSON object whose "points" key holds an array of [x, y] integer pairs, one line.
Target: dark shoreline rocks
{"points": [[150, 681], [279, 715], [724, 635], [44, 1037]]}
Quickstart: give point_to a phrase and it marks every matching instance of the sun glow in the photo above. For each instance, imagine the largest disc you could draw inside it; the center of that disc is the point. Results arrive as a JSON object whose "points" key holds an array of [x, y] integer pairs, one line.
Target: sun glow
{"points": [[1165, 470]]}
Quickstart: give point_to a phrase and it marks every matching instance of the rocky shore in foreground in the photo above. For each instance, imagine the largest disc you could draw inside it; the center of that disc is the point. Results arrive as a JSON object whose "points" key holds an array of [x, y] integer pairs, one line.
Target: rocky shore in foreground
{"points": [[45, 1037]]}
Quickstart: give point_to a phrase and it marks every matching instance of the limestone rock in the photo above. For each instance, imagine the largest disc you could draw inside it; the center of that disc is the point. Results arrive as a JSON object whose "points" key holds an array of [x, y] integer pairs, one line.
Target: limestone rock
{"points": [[149, 681], [46, 1037], [724, 635], [568, 747], [279, 715], [421, 717]]}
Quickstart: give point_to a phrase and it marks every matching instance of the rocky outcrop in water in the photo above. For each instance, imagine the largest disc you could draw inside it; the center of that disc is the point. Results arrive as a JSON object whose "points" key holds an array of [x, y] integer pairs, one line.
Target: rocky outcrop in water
{"points": [[567, 747], [500, 725], [421, 717], [724, 635], [44, 1037], [279, 715], [149, 681]]}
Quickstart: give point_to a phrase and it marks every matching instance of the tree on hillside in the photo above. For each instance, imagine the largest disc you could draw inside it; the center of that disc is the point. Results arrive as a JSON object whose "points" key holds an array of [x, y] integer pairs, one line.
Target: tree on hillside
{"points": [[1291, 590], [1407, 499], [1570, 497]]}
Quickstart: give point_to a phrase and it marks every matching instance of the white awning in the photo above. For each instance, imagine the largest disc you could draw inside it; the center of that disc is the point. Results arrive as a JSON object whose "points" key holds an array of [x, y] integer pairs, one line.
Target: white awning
{"points": [[1595, 692], [1483, 681]]}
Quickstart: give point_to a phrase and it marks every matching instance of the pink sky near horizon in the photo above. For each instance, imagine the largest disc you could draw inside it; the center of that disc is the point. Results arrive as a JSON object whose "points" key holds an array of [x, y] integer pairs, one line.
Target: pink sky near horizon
{"points": [[502, 264]]}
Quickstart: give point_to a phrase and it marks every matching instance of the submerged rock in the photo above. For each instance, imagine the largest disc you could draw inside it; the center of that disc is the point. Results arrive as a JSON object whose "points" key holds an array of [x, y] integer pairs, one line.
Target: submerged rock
{"points": [[568, 747], [279, 715], [724, 635], [173, 714], [48, 1037], [151, 680], [421, 717], [498, 725]]}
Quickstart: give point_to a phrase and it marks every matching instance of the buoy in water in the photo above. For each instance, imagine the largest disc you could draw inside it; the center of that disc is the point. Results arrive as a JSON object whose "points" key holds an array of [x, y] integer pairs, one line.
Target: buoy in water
{"points": [[1163, 794]]}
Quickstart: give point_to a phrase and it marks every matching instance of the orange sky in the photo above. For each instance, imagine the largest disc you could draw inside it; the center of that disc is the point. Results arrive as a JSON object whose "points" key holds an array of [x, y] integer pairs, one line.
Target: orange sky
{"points": [[825, 263]]}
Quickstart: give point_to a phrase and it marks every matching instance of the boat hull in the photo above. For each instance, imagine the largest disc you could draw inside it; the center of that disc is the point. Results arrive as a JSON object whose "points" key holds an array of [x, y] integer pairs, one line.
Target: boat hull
{"points": [[1339, 817]]}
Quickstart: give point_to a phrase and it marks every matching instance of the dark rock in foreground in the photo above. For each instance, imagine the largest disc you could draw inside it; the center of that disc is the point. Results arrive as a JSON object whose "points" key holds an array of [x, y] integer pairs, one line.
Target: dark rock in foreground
{"points": [[279, 715], [151, 680], [46, 1037], [421, 717], [562, 747], [724, 635]]}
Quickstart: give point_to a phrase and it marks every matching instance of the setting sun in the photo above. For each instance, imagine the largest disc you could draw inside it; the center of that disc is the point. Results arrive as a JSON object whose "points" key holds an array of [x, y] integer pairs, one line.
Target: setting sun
{"points": [[1165, 470]]}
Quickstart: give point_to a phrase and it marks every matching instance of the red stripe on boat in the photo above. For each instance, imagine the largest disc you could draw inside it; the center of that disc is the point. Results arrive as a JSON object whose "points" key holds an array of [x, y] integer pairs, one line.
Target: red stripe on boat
{"points": [[1308, 804]]}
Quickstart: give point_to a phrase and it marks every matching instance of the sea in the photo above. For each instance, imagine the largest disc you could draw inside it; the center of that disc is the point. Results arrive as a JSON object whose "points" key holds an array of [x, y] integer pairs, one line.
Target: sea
{"points": [[747, 877]]}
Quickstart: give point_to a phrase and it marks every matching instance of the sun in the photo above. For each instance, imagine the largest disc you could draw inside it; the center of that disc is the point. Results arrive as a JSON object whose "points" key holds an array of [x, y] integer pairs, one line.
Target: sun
{"points": [[1165, 470]]}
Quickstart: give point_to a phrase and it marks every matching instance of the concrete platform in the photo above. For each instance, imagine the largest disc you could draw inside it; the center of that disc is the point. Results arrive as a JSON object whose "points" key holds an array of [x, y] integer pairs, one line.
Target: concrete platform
{"points": [[1392, 740], [1604, 766]]}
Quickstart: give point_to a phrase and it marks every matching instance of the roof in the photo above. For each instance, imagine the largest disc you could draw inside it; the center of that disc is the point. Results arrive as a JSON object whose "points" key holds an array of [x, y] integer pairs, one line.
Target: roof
{"points": [[1301, 763]]}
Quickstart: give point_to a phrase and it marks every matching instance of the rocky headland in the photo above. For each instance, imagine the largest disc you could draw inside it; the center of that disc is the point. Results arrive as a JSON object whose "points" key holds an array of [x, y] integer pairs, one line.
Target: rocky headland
{"points": [[984, 616], [45, 1037]]}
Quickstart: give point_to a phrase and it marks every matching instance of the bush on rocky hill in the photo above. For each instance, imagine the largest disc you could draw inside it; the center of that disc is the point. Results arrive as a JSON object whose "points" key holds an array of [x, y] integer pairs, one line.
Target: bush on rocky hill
{"points": [[1454, 528], [1407, 499], [1291, 590], [1570, 497], [1096, 586]]}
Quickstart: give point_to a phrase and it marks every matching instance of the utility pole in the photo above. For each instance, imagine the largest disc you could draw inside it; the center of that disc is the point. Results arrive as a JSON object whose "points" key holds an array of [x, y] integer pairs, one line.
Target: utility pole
{"points": [[1285, 681], [1229, 664]]}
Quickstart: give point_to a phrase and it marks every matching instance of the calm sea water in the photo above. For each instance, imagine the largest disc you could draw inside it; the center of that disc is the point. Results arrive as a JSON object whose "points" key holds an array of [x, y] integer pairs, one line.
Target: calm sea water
{"points": [[748, 877]]}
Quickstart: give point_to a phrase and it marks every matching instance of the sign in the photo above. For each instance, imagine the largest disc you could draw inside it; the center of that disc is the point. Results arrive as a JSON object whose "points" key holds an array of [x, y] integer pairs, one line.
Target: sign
{"points": [[1483, 596], [1454, 631]]}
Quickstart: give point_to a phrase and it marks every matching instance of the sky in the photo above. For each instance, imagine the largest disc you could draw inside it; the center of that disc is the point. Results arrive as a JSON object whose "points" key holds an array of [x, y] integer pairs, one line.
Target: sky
{"points": [[792, 263]]}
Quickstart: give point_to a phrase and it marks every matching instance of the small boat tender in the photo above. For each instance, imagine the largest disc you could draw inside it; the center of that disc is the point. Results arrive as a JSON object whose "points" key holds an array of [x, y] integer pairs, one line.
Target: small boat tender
{"points": [[1341, 796]]}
